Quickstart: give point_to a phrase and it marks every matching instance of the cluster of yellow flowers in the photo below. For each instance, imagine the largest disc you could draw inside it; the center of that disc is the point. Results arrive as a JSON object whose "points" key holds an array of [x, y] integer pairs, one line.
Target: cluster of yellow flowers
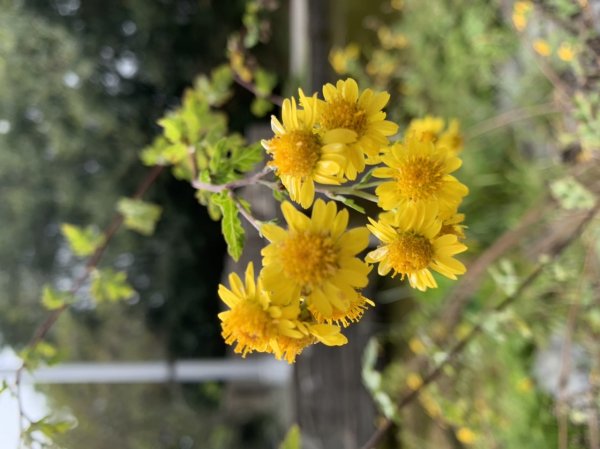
{"points": [[311, 281]]}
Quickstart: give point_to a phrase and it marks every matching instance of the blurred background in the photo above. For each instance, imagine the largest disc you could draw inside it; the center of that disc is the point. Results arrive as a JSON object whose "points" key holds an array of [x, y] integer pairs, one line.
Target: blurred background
{"points": [[82, 86]]}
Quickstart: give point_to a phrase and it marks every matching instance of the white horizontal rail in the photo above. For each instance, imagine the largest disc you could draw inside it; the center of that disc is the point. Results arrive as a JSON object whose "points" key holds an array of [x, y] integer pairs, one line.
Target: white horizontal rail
{"points": [[259, 370]]}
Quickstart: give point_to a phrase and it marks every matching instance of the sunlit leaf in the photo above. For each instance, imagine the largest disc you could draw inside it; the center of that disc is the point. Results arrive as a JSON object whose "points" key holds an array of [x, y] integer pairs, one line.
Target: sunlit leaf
{"points": [[292, 439], [230, 224], [110, 286], [140, 216], [82, 241], [52, 299]]}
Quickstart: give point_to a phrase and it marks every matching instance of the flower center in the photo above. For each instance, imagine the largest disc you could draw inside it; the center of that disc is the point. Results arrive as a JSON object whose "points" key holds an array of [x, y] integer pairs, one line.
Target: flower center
{"points": [[410, 252], [419, 178], [344, 114], [308, 258], [295, 153], [249, 325]]}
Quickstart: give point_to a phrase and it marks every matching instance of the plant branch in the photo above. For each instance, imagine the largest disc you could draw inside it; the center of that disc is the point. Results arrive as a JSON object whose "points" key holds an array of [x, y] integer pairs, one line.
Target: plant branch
{"points": [[218, 188], [275, 99], [242, 210], [43, 329]]}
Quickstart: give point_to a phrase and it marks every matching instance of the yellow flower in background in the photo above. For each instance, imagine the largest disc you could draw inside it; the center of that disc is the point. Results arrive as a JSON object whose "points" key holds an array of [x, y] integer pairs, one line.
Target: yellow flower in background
{"points": [[520, 12], [302, 157], [453, 225], [431, 129], [452, 139], [252, 321], [566, 52], [391, 39], [414, 247], [542, 47], [425, 129], [315, 258], [420, 179], [341, 58], [345, 107], [466, 435]]}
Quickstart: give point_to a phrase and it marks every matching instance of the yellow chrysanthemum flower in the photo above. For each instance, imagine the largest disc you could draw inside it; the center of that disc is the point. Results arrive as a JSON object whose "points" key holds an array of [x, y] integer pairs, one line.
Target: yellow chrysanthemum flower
{"points": [[420, 179], [452, 139], [426, 129], [413, 248], [315, 258], [431, 129], [253, 322], [542, 47], [302, 157], [454, 225], [345, 107], [353, 314]]}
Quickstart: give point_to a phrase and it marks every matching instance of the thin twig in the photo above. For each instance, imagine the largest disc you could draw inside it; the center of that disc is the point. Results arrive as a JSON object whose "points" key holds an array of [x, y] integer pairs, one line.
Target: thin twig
{"points": [[457, 349], [506, 118], [242, 210], [43, 329], [218, 188], [275, 99]]}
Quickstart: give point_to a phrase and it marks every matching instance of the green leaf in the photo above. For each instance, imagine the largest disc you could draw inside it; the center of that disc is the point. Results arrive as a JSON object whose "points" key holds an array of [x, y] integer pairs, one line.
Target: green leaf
{"points": [[245, 159], [173, 128], [292, 439], [260, 107], [571, 194], [139, 215], [82, 241], [110, 286], [52, 299], [231, 225], [348, 202], [153, 154], [265, 82], [42, 352], [51, 427], [373, 381]]}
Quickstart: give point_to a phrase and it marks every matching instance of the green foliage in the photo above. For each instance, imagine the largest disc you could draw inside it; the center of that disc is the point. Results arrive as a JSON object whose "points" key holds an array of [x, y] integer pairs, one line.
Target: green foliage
{"points": [[373, 381], [215, 90], [110, 286], [140, 216], [82, 241], [50, 427], [571, 194], [230, 224], [292, 439], [40, 353], [53, 299]]}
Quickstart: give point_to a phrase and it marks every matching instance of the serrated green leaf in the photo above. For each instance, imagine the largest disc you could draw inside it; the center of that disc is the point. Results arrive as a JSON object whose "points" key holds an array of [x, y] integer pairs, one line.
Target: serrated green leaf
{"points": [[82, 241], [154, 153], [173, 128], [52, 299], [175, 153], [245, 159], [571, 194], [110, 286], [231, 225], [292, 439], [140, 216]]}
